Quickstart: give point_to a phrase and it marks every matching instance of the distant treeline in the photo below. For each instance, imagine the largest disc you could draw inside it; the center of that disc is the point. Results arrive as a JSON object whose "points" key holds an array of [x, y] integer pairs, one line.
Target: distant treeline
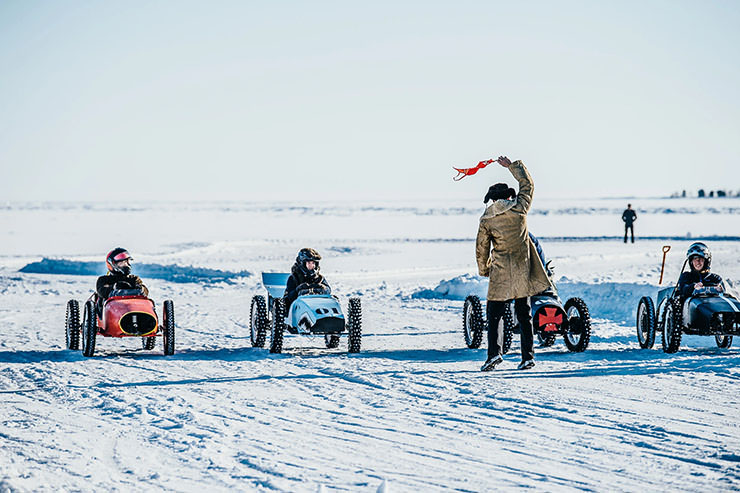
{"points": [[701, 193]]}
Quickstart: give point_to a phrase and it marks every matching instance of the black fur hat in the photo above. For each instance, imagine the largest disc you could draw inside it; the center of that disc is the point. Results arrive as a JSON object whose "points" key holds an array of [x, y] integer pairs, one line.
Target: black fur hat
{"points": [[499, 191]]}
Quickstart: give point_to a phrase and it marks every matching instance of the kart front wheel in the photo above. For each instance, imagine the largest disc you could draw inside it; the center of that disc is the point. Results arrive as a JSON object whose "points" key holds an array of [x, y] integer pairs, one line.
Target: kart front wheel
{"points": [[331, 341], [473, 322], [89, 329], [354, 325], [646, 322], [72, 325], [258, 321], [546, 340], [672, 326], [278, 326], [723, 341], [578, 330], [168, 328]]}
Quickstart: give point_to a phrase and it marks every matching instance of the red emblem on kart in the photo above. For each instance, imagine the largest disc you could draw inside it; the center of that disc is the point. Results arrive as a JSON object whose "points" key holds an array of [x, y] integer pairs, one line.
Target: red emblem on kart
{"points": [[550, 317]]}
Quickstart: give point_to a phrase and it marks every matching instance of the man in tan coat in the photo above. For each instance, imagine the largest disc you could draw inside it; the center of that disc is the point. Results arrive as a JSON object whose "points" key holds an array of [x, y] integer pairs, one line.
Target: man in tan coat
{"points": [[506, 255]]}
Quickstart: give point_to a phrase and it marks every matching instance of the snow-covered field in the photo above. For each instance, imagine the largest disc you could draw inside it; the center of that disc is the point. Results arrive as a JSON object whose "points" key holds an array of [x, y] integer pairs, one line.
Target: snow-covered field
{"points": [[411, 409]]}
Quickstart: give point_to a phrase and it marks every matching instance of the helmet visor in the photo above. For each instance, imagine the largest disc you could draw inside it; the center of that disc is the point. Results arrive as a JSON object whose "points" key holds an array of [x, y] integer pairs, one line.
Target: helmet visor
{"points": [[122, 256]]}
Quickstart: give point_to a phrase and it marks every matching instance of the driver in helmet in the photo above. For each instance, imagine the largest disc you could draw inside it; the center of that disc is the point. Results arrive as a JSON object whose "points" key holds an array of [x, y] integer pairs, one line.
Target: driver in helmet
{"points": [[699, 259], [119, 275], [305, 277]]}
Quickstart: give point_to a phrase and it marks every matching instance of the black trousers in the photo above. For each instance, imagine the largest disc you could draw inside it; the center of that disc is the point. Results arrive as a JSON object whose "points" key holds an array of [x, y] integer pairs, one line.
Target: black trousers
{"points": [[495, 312], [631, 229]]}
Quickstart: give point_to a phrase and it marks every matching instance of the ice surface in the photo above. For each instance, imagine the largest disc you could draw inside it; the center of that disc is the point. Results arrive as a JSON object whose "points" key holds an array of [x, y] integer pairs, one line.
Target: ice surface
{"points": [[411, 408]]}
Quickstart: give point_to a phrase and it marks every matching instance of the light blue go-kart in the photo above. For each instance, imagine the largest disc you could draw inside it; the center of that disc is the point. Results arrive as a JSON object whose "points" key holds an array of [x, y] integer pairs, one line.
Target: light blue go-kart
{"points": [[310, 314]]}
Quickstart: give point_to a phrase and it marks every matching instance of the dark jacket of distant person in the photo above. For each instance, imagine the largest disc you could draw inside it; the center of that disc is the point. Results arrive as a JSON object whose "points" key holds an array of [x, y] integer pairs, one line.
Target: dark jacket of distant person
{"points": [[629, 216]]}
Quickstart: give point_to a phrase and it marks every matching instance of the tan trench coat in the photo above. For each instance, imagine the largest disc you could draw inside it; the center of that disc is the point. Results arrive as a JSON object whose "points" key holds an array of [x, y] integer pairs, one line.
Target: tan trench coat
{"points": [[513, 267]]}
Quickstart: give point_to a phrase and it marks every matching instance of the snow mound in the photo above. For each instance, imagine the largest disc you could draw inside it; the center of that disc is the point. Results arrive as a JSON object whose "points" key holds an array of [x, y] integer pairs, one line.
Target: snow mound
{"points": [[606, 300], [172, 273]]}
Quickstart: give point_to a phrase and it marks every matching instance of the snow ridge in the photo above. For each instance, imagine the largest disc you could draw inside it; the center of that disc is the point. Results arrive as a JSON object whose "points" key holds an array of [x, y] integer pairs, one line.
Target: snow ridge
{"points": [[172, 273]]}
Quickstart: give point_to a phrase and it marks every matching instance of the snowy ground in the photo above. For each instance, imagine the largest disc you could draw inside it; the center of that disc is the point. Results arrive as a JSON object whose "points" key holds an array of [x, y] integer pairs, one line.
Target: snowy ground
{"points": [[412, 408]]}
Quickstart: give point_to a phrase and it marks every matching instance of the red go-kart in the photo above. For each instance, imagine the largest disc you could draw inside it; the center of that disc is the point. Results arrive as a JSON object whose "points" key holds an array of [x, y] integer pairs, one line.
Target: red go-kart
{"points": [[126, 313]]}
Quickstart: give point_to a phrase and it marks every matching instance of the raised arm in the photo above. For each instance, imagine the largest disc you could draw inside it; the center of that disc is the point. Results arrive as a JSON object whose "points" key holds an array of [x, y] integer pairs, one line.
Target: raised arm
{"points": [[526, 185]]}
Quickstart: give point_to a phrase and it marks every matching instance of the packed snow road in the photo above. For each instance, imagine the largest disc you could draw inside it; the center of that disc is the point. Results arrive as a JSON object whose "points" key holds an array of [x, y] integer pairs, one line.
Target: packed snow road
{"points": [[412, 407]]}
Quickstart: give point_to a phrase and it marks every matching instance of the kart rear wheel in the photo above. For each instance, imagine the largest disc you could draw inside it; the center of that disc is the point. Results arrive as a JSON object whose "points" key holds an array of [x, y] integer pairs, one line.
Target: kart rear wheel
{"points": [[148, 343], [578, 330], [258, 321], [168, 328], [473, 322], [723, 341], [508, 321], [72, 325], [331, 341], [89, 329], [646, 322], [672, 326], [354, 325], [278, 326]]}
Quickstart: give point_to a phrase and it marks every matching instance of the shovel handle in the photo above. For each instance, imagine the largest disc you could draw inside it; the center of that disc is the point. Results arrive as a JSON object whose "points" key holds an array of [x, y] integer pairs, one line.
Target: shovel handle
{"points": [[666, 249]]}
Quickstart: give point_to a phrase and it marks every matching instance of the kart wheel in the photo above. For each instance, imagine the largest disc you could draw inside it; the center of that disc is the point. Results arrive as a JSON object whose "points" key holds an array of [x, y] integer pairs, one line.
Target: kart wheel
{"points": [[89, 329], [258, 321], [723, 341], [672, 326], [508, 321], [331, 341], [578, 333], [278, 326], [168, 328], [354, 325], [72, 325], [148, 343], [473, 322], [646, 322], [545, 340]]}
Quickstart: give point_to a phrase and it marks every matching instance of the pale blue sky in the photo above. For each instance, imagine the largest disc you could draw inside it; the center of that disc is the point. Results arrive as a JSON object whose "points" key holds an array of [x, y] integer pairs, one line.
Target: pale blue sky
{"points": [[310, 100]]}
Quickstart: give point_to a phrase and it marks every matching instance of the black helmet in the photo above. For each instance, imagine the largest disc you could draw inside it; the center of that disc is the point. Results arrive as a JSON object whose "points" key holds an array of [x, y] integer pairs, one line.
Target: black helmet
{"points": [[116, 255], [699, 249], [305, 255]]}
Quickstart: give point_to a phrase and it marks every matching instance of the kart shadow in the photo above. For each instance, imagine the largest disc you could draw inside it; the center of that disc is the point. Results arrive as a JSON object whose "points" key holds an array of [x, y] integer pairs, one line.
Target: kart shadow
{"points": [[55, 355], [66, 355]]}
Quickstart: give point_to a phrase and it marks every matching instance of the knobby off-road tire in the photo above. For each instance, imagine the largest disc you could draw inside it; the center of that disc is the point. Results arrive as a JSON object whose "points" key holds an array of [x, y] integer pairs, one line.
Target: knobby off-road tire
{"points": [[258, 321], [331, 341], [89, 329], [168, 328], [645, 321], [508, 321], [723, 341], [72, 325], [578, 333], [278, 326], [354, 325], [473, 322], [672, 326], [148, 343]]}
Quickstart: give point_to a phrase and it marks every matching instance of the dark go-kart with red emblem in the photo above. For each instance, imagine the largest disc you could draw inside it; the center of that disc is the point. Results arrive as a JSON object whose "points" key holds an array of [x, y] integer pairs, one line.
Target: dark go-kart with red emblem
{"points": [[126, 313], [550, 318]]}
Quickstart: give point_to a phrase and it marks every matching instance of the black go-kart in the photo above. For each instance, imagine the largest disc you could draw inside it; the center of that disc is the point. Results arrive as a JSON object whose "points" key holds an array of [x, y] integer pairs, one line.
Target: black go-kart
{"points": [[709, 311], [550, 318]]}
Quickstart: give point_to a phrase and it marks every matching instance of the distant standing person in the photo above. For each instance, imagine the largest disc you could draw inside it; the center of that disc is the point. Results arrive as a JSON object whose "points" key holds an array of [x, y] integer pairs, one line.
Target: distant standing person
{"points": [[629, 216], [507, 255]]}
